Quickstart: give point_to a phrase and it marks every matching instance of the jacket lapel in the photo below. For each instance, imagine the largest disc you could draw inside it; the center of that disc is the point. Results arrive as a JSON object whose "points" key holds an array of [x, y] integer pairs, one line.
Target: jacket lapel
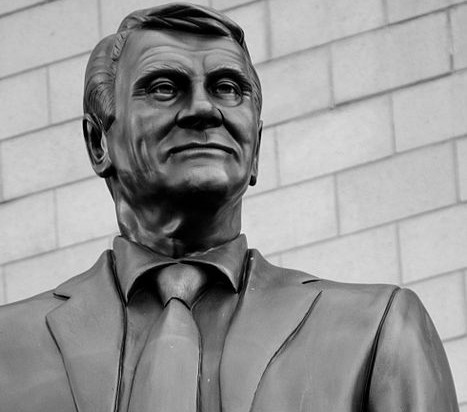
{"points": [[274, 306], [88, 330]]}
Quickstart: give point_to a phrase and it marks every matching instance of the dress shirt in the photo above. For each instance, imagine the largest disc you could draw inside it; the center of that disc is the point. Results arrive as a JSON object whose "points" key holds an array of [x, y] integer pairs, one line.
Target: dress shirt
{"points": [[135, 264]]}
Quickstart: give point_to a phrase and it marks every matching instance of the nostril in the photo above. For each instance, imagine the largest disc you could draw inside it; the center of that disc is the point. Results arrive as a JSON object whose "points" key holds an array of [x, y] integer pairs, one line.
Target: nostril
{"points": [[199, 119]]}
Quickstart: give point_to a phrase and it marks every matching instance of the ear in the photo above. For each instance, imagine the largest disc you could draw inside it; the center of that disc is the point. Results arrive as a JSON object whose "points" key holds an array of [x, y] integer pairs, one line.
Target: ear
{"points": [[96, 144], [254, 169]]}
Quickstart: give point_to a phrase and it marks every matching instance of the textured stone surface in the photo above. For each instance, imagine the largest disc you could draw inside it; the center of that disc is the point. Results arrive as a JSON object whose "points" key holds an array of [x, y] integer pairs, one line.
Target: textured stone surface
{"points": [[38, 274], [7, 6], [113, 12], [395, 188], [52, 157], [268, 177], [390, 57], [462, 167], [66, 88], [85, 211], [2, 287], [434, 243], [335, 140], [224, 4], [307, 23], [290, 217], [45, 35], [366, 257], [23, 105], [457, 355], [459, 23], [431, 112], [27, 227], [304, 85], [403, 9], [443, 297], [253, 20]]}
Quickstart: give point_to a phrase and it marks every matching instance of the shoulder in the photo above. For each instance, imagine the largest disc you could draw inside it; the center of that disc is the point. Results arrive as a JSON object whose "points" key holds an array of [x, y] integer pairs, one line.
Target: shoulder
{"points": [[28, 317], [337, 291], [373, 301], [27, 312]]}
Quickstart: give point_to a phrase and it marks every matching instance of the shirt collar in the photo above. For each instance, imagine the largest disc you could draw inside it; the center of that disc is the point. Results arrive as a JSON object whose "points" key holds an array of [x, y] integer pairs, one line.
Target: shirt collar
{"points": [[133, 260]]}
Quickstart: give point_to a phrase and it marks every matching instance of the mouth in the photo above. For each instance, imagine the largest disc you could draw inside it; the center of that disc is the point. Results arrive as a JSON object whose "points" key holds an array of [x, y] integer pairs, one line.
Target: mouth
{"points": [[200, 147]]}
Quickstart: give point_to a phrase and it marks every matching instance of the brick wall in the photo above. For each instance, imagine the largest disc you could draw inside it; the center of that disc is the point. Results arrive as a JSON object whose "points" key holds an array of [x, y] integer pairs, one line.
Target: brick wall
{"points": [[363, 174]]}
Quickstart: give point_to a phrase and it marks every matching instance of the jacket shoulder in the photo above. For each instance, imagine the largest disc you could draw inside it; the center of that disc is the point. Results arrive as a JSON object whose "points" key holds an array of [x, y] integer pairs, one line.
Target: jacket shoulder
{"points": [[24, 316], [27, 310], [357, 290]]}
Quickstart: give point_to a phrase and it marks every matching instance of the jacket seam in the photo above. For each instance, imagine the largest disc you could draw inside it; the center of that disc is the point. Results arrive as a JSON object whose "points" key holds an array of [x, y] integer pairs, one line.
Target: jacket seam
{"points": [[123, 342], [284, 344], [374, 350]]}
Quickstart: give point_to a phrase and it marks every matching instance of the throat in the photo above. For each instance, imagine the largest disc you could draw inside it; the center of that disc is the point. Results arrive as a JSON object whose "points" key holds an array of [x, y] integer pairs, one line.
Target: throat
{"points": [[178, 231]]}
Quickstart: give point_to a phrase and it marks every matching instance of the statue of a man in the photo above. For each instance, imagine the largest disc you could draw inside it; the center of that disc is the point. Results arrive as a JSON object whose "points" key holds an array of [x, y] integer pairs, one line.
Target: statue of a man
{"points": [[181, 316]]}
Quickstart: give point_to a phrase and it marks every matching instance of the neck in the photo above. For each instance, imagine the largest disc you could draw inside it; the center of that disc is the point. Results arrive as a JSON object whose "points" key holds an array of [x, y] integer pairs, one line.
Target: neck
{"points": [[179, 228]]}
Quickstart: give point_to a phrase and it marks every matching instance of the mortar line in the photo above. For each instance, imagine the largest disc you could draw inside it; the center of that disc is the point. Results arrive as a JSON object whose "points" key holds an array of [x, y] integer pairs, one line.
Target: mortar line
{"points": [[100, 17], [59, 249], [4, 285], [436, 276], [330, 64], [1, 174], [275, 140], [393, 123], [56, 231], [399, 252], [25, 8], [43, 65], [336, 204], [464, 287], [48, 96], [450, 39], [268, 30], [455, 161]]}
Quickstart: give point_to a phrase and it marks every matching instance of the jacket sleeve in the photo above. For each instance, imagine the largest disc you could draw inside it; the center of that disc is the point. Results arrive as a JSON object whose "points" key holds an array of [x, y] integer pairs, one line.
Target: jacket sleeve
{"points": [[410, 370]]}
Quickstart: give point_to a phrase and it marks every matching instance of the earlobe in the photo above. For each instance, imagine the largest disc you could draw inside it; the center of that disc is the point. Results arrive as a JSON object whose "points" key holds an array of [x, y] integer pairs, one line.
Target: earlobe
{"points": [[254, 169], [96, 144]]}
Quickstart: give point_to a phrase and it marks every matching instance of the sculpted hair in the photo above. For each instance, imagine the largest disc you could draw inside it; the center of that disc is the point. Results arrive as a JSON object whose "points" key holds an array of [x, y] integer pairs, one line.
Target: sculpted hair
{"points": [[99, 102]]}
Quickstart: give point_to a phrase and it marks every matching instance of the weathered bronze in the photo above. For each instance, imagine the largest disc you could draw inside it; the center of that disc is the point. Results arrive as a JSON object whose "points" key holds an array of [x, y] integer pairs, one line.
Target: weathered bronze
{"points": [[180, 315]]}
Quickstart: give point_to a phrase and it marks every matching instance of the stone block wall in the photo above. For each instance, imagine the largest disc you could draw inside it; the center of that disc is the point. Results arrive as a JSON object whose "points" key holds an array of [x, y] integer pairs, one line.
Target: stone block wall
{"points": [[363, 172]]}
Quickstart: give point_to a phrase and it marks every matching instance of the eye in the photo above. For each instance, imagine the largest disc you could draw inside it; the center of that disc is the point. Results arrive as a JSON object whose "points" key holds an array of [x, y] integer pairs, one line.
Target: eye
{"points": [[162, 89], [227, 89]]}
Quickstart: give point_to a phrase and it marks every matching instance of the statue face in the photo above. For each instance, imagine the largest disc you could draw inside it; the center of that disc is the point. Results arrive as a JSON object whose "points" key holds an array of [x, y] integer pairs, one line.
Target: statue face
{"points": [[185, 116]]}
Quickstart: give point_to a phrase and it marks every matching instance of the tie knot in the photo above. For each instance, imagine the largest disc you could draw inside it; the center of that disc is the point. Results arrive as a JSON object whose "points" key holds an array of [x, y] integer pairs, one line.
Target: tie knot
{"points": [[181, 281]]}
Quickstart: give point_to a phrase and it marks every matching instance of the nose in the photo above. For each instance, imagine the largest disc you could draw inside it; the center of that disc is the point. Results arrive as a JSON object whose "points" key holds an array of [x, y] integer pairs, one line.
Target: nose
{"points": [[199, 113]]}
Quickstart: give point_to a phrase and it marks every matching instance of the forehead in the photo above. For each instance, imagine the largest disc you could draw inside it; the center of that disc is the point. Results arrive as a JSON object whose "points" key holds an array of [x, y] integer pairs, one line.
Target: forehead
{"points": [[145, 48]]}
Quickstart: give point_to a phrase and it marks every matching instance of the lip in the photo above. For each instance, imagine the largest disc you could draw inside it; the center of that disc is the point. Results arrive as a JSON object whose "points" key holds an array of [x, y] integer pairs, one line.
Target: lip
{"points": [[201, 147]]}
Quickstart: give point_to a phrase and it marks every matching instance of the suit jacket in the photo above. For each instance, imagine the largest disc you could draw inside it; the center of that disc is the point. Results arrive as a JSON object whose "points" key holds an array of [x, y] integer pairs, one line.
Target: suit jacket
{"points": [[296, 343]]}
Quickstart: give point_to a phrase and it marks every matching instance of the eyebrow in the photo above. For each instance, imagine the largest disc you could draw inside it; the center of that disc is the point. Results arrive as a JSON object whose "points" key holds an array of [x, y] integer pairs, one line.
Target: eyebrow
{"points": [[154, 71], [231, 71]]}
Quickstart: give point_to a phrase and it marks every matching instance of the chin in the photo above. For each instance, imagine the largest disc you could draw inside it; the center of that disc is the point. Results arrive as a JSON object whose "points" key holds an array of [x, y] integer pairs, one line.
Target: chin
{"points": [[213, 189]]}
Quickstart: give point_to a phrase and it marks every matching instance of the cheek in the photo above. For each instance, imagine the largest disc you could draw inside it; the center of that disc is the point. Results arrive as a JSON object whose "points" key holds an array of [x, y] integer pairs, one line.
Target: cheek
{"points": [[243, 126], [152, 124]]}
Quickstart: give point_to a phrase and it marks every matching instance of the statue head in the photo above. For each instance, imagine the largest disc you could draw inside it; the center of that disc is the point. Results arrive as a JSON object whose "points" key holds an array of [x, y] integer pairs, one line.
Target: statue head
{"points": [[172, 106]]}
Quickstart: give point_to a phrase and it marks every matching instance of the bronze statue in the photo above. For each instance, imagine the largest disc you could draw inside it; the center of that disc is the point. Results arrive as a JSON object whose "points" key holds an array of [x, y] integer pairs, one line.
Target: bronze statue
{"points": [[180, 315]]}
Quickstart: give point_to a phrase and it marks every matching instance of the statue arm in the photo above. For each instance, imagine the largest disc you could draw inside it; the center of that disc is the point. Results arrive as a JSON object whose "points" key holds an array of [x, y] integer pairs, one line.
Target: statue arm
{"points": [[410, 371]]}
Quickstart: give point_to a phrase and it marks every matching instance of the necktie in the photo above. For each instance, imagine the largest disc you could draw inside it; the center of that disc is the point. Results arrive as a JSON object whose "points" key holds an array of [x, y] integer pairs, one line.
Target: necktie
{"points": [[166, 377]]}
